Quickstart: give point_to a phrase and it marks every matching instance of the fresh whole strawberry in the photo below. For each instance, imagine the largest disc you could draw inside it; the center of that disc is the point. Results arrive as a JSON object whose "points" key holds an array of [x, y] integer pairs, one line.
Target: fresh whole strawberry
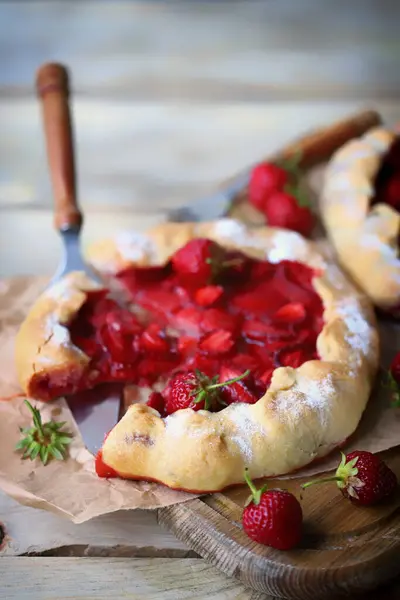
{"points": [[198, 263], [201, 262], [195, 390], [283, 209], [217, 342], [153, 340], [362, 477], [265, 179], [208, 295], [272, 517], [194, 262]]}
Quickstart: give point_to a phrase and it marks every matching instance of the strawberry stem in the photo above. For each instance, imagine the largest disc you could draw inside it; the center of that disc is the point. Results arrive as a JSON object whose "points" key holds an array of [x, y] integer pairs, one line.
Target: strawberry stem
{"points": [[322, 480], [229, 381], [255, 493]]}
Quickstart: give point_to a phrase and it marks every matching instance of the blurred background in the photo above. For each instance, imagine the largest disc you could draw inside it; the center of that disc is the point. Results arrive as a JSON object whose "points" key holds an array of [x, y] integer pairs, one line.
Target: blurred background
{"points": [[171, 97]]}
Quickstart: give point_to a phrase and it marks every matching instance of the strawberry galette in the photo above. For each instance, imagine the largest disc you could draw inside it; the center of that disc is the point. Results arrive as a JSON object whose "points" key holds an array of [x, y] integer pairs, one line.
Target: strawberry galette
{"points": [[256, 351], [360, 206]]}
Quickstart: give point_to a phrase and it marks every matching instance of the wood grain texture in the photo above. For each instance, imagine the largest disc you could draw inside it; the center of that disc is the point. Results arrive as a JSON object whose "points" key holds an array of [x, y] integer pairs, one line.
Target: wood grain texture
{"points": [[207, 50], [344, 549], [115, 578], [126, 533]]}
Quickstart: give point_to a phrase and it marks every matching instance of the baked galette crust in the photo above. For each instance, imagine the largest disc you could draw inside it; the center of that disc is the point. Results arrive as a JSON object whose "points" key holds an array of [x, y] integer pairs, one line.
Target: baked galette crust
{"points": [[365, 238], [305, 413]]}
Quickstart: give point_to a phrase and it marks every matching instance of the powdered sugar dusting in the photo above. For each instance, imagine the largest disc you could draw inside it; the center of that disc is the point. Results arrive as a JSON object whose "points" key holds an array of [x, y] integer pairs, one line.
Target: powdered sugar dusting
{"points": [[371, 240], [180, 424], [232, 230], [135, 246], [61, 290], [359, 330], [245, 428], [287, 245], [314, 395]]}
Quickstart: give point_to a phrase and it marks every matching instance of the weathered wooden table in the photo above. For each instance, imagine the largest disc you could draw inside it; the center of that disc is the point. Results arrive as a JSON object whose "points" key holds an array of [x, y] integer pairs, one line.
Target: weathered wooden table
{"points": [[170, 100]]}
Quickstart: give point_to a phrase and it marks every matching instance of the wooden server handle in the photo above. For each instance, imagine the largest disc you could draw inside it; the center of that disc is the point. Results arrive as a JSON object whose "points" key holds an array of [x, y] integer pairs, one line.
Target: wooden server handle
{"points": [[319, 145], [52, 85]]}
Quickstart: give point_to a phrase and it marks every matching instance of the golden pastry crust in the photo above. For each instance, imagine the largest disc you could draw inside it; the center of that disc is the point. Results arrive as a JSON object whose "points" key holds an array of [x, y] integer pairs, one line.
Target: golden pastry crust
{"points": [[365, 238], [305, 413], [43, 346]]}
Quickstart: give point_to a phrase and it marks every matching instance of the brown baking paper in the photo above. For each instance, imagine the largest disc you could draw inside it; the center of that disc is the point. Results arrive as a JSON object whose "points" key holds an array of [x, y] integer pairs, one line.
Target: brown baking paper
{"points": [[71, 488]]}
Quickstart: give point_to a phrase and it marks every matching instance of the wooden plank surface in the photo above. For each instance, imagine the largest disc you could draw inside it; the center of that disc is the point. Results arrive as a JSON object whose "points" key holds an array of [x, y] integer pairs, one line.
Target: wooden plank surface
{"points": [[126, 533], [208, 50], [117, 578]]}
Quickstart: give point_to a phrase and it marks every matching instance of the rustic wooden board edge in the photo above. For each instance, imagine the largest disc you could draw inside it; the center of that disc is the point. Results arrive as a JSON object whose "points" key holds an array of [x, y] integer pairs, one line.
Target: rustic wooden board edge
{"points": [[365, 563]]}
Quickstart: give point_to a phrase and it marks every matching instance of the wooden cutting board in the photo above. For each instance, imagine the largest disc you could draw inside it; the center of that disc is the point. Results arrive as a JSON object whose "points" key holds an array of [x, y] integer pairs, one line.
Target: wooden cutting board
{"points": [[344, 549]]}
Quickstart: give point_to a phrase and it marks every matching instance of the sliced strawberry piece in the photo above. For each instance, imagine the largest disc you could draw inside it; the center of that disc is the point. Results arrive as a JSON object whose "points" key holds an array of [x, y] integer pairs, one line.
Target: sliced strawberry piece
{"points": [[262, 270], [123, 320], [254, 329], [208, 295], [187, 346], [160, 301], [246, 390], [291, 285], [216, 318], [153, 340], [267, 376], [293, 357], [217, 342], [262, 353], [89, 345], [244, 362], [261, 301], [207, 364], [188, 321], [123, 372], [292, 313], [157, 401], [149, 370], [120, 345], [137, 278]]}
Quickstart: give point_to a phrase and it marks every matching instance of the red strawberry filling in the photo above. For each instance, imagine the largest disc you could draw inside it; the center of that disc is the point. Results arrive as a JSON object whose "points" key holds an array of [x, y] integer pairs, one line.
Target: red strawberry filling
{"points": [[387, 181], [240, 314]]}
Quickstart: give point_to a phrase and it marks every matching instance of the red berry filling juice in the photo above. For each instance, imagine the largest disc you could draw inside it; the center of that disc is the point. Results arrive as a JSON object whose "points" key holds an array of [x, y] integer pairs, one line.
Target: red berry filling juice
{"points": [[208, 309]]}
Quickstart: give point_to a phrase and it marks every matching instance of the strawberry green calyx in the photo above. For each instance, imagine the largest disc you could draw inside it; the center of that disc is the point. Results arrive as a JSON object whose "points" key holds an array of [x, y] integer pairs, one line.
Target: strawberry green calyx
{"points": [[296, 186], [206, 389], [43, 440], [256, 494], [292, 163], [345, 477]]}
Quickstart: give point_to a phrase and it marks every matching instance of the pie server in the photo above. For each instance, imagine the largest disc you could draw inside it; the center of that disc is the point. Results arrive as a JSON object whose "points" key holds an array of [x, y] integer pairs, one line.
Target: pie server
{"points": [[95, 411]]}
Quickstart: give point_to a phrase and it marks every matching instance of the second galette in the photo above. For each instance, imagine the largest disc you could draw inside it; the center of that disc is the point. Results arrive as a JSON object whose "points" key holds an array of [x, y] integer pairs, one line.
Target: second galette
{"points": [[360, 206]]}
